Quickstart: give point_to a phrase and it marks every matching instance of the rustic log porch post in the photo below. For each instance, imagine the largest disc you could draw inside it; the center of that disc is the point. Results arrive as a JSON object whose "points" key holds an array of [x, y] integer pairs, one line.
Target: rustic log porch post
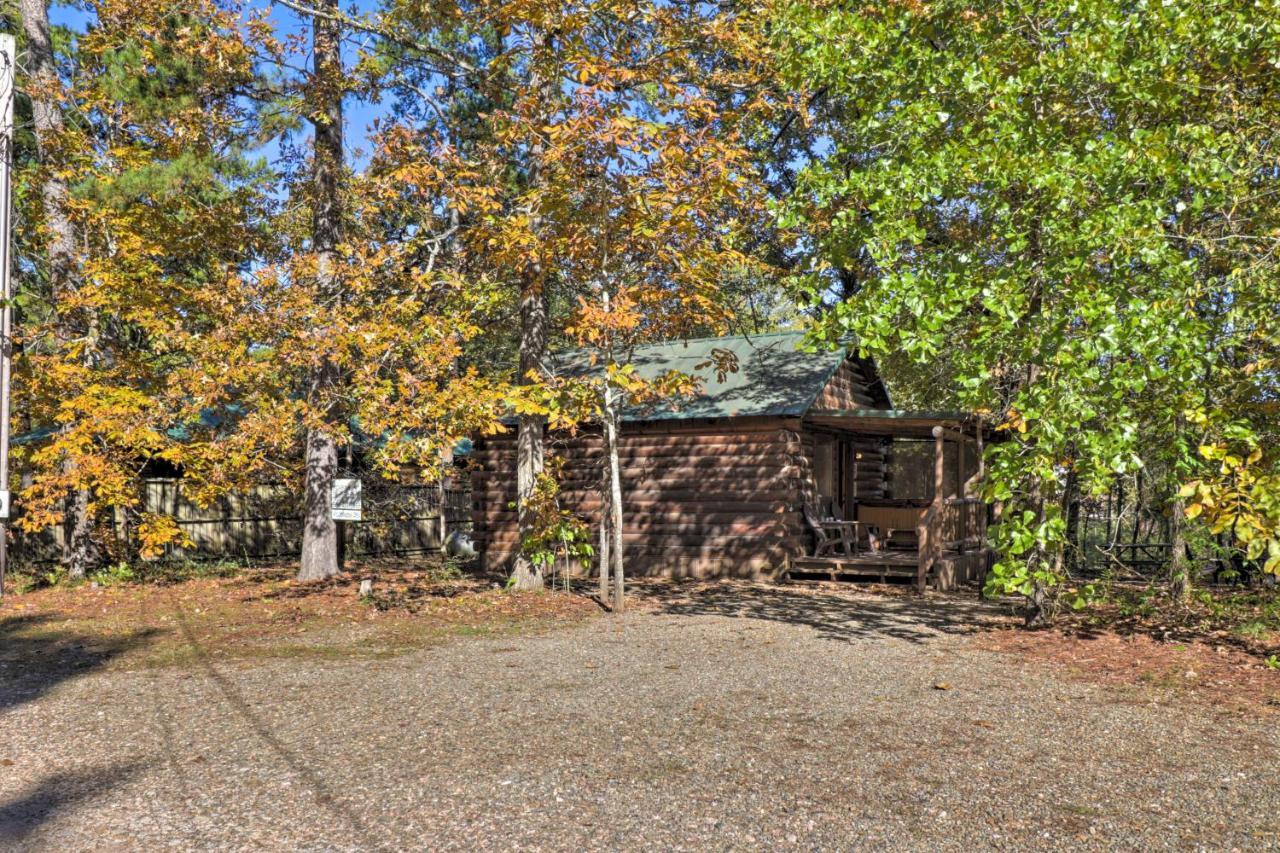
{"points": [[929, 531]]}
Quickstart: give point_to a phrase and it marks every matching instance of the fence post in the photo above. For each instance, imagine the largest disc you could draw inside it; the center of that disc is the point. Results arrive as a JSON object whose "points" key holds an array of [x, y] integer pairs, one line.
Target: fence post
{"points": [[444, 517]]}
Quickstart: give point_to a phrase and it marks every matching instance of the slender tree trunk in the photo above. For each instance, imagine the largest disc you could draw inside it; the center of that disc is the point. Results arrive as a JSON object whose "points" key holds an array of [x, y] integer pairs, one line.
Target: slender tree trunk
{"points": [[1038, 602], [1071, 514], [1179, 565], [441, 481], [80, 552], [614, 481], [606, 535], [530, 438], [319, 531]]}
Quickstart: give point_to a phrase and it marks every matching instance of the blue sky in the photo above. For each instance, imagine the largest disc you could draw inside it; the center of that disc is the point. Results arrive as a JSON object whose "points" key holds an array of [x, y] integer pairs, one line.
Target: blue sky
{"points": [[358, 114]]}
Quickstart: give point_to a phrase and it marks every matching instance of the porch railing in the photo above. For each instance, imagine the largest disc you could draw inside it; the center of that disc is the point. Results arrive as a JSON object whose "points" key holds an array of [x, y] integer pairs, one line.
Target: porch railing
{"points": [[954, 524], [964, 524]]}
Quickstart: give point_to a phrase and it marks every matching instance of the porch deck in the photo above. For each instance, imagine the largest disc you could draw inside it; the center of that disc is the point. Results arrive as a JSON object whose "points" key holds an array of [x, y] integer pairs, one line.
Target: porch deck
{"points": [[948, 570], [869, 564]]}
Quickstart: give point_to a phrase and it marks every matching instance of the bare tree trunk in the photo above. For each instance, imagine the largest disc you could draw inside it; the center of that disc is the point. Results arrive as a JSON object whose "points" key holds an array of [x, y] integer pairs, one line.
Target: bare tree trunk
{"points": [[534, 310], [1038, 602], [319, 531], [1071, 515], [614, 482], [606, 535], [1179, 565], [441, 481], [530, 438], [79, 550]]}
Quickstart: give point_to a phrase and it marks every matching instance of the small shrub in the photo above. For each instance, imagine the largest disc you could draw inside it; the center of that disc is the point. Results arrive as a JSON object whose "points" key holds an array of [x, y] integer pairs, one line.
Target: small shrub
{"points": [[114, 575], [448, 569], [1252, 629], [53, 577], [176, 571]]}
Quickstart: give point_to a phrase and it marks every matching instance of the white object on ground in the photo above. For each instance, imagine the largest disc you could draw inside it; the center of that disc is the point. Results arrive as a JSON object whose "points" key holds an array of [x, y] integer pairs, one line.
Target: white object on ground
{"points": [[459, 544]]}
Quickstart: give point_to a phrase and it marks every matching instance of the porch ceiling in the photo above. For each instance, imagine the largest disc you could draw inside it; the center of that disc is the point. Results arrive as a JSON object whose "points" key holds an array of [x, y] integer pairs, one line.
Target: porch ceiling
{"points": [[893, 422]]}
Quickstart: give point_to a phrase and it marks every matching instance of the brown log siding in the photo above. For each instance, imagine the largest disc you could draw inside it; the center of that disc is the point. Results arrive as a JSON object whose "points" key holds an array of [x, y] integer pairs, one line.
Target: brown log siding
{"points": [[702, 497], [849, 388]]}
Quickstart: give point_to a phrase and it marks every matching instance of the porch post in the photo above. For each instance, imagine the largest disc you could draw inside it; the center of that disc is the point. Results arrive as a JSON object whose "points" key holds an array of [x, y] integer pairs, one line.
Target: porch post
{"points": [[939, 465], [930, 528]]}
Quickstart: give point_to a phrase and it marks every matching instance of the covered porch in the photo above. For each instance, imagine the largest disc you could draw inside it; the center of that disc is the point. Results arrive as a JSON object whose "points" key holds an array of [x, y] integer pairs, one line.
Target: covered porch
{"points": [[899, 489]]}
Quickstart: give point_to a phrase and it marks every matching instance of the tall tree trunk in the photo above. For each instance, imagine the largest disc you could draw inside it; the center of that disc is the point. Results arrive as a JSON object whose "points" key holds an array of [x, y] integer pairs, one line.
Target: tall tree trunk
{"points": [[530, 437], [614, 481], [1179, 565], [1071, 515], [606, 535], [1037, 615], [534, 311], [80, 552], [319, 531]]}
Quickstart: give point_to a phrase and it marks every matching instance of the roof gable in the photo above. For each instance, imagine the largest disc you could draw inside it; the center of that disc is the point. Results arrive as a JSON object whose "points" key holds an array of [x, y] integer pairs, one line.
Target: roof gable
{"points": [[775, 377]]}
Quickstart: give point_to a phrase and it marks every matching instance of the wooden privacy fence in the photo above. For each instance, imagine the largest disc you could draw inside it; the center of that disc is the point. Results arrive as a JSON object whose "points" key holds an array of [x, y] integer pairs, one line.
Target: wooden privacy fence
{"points": [[266, 522]]}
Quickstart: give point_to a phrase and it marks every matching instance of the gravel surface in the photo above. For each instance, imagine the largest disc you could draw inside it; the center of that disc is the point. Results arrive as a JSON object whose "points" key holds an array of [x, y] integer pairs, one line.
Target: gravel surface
{"points": [[716, 717]]}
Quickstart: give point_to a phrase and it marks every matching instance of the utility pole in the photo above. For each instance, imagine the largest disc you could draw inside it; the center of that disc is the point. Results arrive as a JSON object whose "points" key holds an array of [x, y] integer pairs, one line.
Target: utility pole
{"points": [[8, 70]]}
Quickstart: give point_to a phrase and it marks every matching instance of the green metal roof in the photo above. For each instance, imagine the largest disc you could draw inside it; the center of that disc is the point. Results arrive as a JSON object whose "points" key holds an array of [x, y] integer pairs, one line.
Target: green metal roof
{"points": [[775, 377]]}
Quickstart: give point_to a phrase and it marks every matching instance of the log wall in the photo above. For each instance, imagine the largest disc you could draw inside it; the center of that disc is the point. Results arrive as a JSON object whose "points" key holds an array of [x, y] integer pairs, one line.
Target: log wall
{"points": [[701, 498], [849, 388]]}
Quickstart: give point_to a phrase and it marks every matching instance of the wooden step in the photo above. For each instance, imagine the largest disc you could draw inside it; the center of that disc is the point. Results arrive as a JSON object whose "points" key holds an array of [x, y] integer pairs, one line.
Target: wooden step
{"points": [[879, 565]]}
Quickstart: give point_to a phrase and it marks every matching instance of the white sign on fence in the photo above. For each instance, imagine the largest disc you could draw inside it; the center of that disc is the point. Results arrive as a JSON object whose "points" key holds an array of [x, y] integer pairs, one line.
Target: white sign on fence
{"points": [[344, 500]]}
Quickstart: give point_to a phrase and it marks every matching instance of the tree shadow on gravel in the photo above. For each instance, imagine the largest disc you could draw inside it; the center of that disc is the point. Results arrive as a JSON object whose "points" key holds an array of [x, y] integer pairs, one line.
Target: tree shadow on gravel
{"points": [[35, 657], [834, 615], [25, 813], [323, 795]]}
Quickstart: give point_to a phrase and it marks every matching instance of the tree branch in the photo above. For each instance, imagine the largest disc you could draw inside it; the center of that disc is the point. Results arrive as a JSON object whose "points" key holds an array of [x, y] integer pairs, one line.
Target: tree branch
{"points": [[461, 65]]}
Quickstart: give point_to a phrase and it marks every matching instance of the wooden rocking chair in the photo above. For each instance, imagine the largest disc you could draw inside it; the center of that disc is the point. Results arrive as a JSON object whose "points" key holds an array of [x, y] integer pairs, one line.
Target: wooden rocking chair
{"points": [[829, 533]]}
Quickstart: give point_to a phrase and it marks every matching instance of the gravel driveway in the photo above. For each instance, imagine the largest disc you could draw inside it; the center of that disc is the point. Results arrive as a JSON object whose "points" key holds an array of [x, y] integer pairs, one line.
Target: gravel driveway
{"points": [[727, 716]]}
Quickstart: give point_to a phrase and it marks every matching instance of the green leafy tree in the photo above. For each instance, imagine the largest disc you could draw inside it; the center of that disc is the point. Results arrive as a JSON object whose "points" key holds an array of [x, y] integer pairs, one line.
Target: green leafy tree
{"points": [[1073, 205]]}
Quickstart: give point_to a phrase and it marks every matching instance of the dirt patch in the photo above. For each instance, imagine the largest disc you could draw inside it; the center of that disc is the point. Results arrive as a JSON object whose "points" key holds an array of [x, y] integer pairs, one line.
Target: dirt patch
{"points": [[1246, 619], [264, 613], [1215, 674]]}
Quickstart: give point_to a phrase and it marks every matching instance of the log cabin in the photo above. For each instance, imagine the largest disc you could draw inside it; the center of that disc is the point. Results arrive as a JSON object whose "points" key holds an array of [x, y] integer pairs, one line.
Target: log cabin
{"points": [[749, 476]]}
